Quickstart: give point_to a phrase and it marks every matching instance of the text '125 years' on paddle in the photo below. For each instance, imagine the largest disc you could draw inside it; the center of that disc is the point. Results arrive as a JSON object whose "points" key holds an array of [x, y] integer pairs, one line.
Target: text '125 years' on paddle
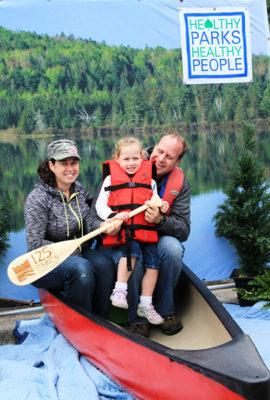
{"points": [[33, 265]]}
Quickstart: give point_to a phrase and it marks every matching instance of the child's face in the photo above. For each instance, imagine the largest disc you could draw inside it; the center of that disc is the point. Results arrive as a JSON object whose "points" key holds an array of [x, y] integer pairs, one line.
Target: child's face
{"points": [[130, 158]]}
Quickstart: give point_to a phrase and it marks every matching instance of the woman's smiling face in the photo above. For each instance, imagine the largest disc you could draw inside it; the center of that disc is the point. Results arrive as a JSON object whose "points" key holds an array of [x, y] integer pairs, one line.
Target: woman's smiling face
{"points": [[66, 171]]}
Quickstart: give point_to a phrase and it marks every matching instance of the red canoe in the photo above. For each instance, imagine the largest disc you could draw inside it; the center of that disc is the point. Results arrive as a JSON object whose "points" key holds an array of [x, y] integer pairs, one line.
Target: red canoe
{"points": [[211, 358]]}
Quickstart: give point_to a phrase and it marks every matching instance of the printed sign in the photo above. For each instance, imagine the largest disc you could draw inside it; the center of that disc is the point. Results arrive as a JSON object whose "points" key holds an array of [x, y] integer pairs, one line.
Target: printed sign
{"points": [[215, 45]]}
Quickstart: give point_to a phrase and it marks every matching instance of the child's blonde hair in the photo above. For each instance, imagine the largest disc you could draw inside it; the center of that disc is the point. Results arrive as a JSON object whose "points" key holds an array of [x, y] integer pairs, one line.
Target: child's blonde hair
{"points": [[126, 141]]}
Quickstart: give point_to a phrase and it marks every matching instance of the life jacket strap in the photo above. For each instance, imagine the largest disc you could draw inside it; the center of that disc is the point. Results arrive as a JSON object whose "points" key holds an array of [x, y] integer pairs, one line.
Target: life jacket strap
{"points": [[132, 206], [128, 237], [129, 185], [135, 227]]}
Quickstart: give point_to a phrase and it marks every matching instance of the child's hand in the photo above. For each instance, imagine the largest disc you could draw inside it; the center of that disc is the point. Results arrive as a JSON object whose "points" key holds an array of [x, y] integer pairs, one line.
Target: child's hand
{"points": [[165, 206], [123, 216]]}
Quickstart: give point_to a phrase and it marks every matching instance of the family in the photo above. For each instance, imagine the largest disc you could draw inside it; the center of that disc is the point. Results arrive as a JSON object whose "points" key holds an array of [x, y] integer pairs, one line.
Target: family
{"points": [[137, 263]]}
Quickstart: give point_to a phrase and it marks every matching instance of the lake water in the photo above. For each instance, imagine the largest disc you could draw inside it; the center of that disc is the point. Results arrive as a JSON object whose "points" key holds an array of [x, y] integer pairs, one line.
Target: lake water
{"points": [[206, 166]]}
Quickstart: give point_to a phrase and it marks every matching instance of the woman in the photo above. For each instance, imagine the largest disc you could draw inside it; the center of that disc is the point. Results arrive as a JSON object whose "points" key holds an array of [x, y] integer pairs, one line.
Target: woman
{"points": [[56, 210]]}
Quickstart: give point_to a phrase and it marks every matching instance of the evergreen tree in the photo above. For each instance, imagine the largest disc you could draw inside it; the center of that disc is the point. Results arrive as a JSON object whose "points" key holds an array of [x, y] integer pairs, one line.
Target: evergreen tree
{"points": [[40, 125], [265, 103], [27, 121], [244, 217]]}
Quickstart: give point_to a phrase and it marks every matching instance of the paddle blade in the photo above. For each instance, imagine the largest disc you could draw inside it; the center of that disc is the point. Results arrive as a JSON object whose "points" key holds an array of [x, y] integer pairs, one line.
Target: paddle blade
{"points": [[37, 263]]}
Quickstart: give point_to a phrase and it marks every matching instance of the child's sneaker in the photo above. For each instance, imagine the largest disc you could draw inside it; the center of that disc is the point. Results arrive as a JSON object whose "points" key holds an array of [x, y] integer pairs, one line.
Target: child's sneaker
{"points": [[150, 314], [119, 298]]}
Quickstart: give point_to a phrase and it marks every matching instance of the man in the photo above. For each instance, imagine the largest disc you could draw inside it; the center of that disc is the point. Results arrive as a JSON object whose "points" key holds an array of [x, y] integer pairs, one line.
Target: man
{"points": [[173, 229]]}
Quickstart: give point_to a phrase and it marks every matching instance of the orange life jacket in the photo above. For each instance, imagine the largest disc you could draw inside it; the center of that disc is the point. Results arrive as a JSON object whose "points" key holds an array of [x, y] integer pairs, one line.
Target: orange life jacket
{"points": [[126, 194], [173, 184]]}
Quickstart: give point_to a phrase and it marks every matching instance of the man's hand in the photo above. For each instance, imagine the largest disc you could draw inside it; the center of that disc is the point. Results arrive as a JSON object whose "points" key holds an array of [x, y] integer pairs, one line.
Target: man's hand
{"points": [[114, 228], [152, 214], [165, 207]]}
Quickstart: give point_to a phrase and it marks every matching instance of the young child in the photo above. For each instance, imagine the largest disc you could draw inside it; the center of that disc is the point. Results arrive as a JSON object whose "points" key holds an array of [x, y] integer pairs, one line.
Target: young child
{"points": [[128, 184]]}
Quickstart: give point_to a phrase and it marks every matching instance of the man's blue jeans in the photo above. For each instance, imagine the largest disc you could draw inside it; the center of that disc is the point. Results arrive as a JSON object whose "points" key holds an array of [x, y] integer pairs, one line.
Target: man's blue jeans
{"points": [[170, 252], [87, 280]]}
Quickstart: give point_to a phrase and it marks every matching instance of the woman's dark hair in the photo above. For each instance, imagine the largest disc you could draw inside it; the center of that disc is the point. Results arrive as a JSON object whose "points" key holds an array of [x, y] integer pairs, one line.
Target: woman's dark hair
{"points": [[46, 174]]}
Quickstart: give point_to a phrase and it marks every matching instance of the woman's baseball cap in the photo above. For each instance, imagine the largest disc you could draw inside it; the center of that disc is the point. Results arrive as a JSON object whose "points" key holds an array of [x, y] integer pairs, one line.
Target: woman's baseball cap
{"points": [[60, 149]]}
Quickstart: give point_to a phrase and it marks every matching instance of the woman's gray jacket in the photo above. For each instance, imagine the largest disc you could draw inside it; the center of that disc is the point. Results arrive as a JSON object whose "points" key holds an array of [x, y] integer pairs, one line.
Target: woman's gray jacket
{"points": [[51, 217]]}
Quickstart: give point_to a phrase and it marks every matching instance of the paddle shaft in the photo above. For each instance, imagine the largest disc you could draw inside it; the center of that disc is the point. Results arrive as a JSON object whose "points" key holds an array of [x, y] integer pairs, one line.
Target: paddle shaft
{"points": [[105, 227], [39, 262]]}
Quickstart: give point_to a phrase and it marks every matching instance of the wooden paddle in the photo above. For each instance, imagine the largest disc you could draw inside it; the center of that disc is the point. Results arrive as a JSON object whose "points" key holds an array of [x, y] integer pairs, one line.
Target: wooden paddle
{"points": [[33, 265]]}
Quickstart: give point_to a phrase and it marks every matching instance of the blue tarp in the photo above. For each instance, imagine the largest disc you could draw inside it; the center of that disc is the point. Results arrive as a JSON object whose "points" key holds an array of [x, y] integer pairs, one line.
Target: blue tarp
{"points": [[209, 257], [256, 323], [46, 367]]}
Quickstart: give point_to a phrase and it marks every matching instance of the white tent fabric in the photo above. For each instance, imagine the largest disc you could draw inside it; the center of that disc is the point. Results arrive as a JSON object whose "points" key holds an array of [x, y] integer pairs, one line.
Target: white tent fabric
{"points": [[134, 23]]}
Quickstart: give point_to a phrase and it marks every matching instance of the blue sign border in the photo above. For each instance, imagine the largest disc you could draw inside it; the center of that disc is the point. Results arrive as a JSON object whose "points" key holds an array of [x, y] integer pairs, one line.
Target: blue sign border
{"points": [[192, 76]]}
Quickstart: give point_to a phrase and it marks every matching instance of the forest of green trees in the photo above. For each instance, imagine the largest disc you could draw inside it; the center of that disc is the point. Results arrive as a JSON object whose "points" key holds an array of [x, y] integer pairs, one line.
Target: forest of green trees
{"points": [[64, 83]]}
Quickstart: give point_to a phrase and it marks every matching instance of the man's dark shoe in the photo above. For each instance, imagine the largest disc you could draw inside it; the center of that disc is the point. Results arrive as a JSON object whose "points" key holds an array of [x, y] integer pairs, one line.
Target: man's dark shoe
{"points": [[171, 325], [141, 329]]}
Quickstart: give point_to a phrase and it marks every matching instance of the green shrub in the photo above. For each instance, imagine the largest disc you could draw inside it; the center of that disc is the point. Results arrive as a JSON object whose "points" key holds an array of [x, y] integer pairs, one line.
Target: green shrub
{"points": [[259, 290], [244, 217]]}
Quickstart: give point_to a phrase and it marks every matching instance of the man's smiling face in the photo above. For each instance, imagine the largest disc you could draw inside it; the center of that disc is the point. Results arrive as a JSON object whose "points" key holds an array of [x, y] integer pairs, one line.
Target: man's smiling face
{"points": [[166, 155]]}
